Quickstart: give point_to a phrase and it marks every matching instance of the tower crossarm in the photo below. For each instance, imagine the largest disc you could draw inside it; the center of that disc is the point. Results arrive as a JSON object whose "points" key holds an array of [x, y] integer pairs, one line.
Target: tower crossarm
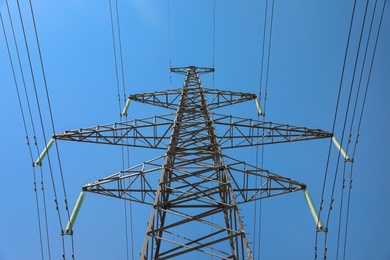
{"points": [[252, 183], [152, 132], [249, 183], [185, 70], [169, 98], [223, 98], [137, 184], [234, 132]]}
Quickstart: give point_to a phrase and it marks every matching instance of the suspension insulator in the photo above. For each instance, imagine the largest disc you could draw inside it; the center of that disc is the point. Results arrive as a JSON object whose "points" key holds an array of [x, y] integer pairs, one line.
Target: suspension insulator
{"points": [[314, 212], [75, 212], [124, 112], [44, 152], [341, 149], [259, 110]]}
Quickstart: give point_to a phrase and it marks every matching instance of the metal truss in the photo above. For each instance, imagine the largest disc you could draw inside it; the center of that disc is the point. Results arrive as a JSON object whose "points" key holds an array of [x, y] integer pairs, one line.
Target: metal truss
{"points": [[195, 202], [169, 98], [249, 182], [155, 132]]}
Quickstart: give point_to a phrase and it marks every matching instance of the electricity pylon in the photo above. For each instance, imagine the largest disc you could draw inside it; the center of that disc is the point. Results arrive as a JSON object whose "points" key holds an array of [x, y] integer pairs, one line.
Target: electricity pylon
{"points": [[195, 201]]}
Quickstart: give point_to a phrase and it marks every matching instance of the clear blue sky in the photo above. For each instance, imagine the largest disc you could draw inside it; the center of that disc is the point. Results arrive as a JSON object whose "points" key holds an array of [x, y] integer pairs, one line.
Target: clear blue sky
{"points": [[307, 52]]}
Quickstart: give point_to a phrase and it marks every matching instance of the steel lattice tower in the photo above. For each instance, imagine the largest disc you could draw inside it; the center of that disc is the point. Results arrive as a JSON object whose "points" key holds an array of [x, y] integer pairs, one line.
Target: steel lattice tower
{"points": [[195, 202]]}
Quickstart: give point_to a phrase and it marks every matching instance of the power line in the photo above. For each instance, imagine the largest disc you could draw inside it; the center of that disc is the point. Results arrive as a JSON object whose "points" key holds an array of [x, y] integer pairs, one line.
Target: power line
{"points": [[41, 117], [334, 125], [115, 58], [124, 151], [344, 128], [34, 134], [26, 132], [361, 114], [169, 35], [258, 244], [52, 122], [120, 50]]}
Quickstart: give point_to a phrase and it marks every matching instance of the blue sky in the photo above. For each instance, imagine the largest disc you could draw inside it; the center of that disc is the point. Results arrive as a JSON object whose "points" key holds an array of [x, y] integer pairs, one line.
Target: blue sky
{"points": [[307, 53]]}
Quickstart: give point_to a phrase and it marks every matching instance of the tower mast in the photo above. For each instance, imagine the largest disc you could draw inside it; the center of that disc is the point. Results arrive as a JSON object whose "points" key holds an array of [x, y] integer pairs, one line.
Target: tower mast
{"points": [[195, 205]]}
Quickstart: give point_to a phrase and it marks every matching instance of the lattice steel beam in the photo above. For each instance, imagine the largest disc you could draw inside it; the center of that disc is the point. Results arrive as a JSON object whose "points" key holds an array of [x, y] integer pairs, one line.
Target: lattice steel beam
{"points": [[155, 132]]}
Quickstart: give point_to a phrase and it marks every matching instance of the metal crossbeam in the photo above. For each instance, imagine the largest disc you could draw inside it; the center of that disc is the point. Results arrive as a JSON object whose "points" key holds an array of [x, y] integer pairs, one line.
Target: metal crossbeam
{"points": [[249, 182], [169, 99], [155, 132]]}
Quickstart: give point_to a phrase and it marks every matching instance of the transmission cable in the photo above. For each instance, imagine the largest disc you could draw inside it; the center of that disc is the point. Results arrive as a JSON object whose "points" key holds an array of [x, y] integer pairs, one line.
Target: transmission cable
{"points": [[258, 244], [257, 148], [361, 114], [169, 34], [213, 51], [41, 118], [268, 58], [117, 72], [334, 124], [34, 132], [27, 139], [343, 133], [115, 58], [52, 122]]}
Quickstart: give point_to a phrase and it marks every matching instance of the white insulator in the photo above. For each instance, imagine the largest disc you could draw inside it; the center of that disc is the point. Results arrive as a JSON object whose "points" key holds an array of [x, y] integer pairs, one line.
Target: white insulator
{"points": [[259, 110], [341, 149], [313, 210], [44, 152], [124, 112], [75, 212]]}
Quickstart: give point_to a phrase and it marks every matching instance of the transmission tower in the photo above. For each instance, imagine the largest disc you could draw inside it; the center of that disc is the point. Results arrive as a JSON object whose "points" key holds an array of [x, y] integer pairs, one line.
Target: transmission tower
{"points": [[195, 201]]}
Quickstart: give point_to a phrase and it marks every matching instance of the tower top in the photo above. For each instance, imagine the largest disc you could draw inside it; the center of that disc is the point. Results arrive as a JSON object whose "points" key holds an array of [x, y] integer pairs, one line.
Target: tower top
{"points": [[199, 70]]}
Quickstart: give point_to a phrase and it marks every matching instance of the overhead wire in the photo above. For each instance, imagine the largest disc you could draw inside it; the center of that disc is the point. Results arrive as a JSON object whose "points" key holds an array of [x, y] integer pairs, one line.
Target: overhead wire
{"points": [[269, 57], [169, 35], [124, 151], [343, 133], [351, 122], [41, 117], [52, 122], [115, 57], [258, 212], [213, 51], [258, 219], [361, 112], [120, 50], [27, 138], [334, 125]]}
